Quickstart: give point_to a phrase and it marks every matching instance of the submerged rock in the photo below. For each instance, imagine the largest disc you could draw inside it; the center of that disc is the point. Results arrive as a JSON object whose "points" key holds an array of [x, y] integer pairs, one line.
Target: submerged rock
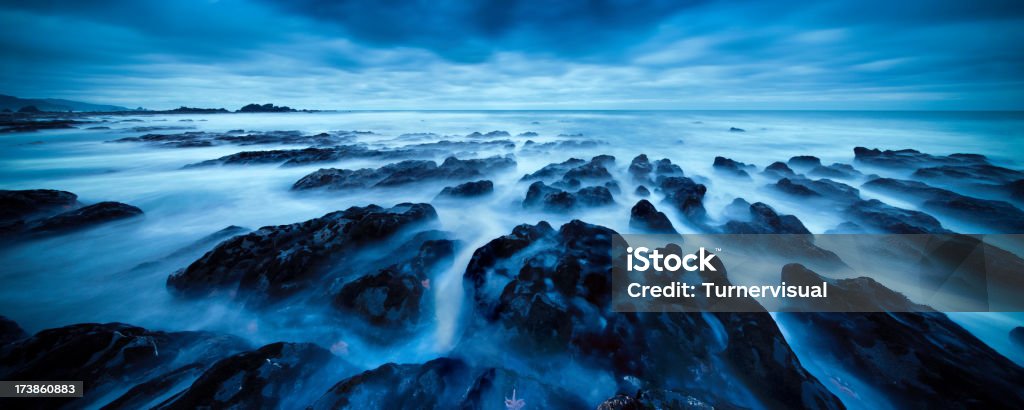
{"points": [[836, 170], [275, 262], [207, 139], [982, 172], [889, 219], [823, 188], [553, 199], [646, 218], [804, 161], [687, 196], [289, 157], [909, 158], [23, 204], [468, 190], [778, 170], [642, 191]]}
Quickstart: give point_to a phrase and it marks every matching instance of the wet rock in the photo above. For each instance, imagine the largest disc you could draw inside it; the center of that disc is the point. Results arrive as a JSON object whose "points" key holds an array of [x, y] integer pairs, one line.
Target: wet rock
{"points": [[734, 168], [84, 217], [268, 107], [846, 228], [646, 218], [22, 123], [272, 376], [107, 357], [275, 262], [547, 295], [394, 296], [980, 172], [403, 173], [663, 399], [1016, 189], [206, 139], [764, 220], [687, 196], [10, 331], [554, 171], [665, 168], [312, 155], [912, 359], [909, 158], [642, 191], [640, 168], [443, 383], [595, 170], [557, 200], [997, 215], [779, 170], [492, 134], [734, 129], [560, 146], [613, 187], [836, 170], [889, 219], [24, 204], [804, 161], [468, 190], [820, 188]]}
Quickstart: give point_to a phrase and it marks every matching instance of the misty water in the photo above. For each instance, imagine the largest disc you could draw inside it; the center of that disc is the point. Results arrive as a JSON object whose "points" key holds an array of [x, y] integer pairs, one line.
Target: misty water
{"points": [[117, 272]]}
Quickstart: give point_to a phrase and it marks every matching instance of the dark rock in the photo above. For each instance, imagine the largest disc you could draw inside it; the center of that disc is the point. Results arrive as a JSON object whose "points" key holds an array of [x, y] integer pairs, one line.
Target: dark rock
{"points": [[640, 168], [912, 359], [551, 171], [595, 170], [206, 139], [32, 124], [997, 215], [492, 134], [21, 205], [312, 155], [265, 108], [87, 216], [594, 196], [731, 167], [613, 187], [107, 357], [821, 188], [560, 146], [528, 134], [393, 296], [642, 191], [734, 129], [889, 219], [269, 377], [836, 170], [779, 170], [556, 200], [908, 158], [402, 173], [981, 172], [1017, 336], [468, 190], [646, 218], [1016, 189], [443, 383], [663, 399], [804, 161], [687, 196], [665, 168], [764, 220], [10, 331], [31, 109], [546, 295], [275, 262]]}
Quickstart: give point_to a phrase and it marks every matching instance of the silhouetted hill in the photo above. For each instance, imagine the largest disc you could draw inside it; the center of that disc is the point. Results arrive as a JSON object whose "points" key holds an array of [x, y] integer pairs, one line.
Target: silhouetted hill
{"points": [[53, 104]]}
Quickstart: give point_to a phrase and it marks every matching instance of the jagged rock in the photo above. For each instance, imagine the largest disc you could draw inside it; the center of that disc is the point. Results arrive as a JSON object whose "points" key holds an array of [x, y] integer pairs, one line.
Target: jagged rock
{"points": [[665, 168], [595, 170], [87, 216], [560, 146], [663, 399], [10, 331], [275, 262], [1000, 216], [613, 187], [642, 191], [645, 217], [547, 294], [290, 157], [733, 168], [912, 359], [554, 170], [982, 172], [268, 107], [393, 295], [909, 158], [687, 196], [269, 377], [640, 168], [889, 219], [846, 228], [492, 134], [836, 170], [804, 161], [107, 357], [556, 200], [402, 173], [443, 383], [594, 196], [468, 190]]}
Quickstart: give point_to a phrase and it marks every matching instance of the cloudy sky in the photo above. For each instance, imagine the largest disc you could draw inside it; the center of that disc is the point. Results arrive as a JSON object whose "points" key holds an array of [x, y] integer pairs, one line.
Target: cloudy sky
{"points": [[508, 54]]}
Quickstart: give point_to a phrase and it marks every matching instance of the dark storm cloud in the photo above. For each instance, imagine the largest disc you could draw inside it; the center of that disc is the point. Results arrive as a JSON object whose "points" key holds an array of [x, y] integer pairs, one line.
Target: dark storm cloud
{"points": [[519, 54]]}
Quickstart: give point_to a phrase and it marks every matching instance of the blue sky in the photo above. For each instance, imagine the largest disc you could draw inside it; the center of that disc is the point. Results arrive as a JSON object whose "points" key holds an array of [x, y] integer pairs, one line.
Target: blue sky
{"points": [[566, 54]]}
